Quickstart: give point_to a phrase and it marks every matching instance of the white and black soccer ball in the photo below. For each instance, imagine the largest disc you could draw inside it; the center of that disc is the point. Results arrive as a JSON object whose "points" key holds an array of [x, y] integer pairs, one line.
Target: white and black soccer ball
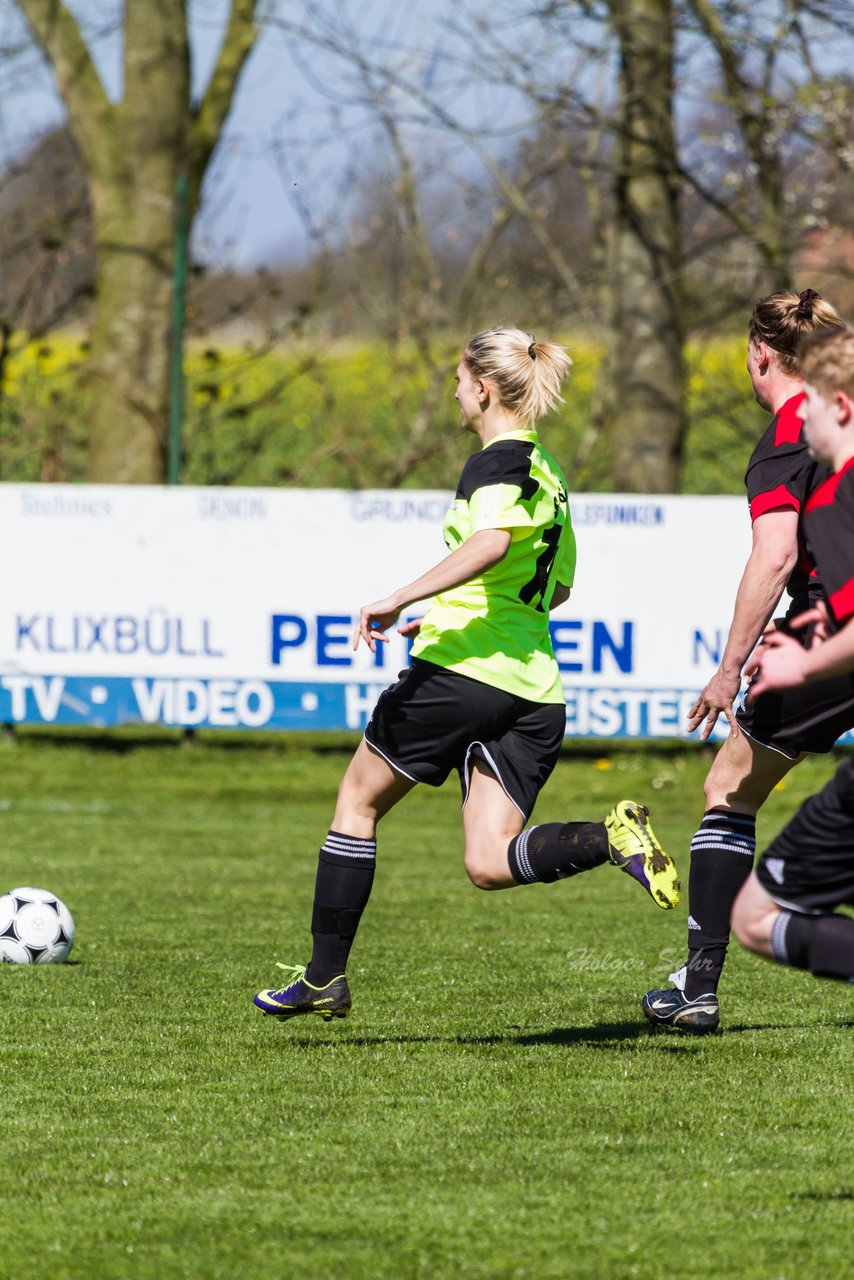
{"points": [[35, 927]]}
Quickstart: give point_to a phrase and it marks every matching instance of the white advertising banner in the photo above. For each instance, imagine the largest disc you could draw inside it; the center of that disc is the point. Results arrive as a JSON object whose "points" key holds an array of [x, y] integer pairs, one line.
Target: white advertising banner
{"points": [[234, 608]]}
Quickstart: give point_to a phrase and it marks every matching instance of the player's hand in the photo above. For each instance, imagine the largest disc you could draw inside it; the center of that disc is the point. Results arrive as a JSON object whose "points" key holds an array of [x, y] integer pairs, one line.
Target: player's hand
{"points": [[779, 664], [411, 627], [374, 620], [819, 618], [715, 700]]}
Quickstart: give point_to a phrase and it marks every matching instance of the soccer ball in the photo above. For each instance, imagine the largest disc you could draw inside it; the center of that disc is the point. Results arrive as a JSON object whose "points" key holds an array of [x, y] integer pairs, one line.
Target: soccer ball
{"points": [[35, 927]]}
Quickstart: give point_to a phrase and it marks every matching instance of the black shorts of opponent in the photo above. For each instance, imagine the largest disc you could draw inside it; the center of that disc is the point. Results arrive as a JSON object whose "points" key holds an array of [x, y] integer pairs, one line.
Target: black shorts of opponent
{"points": [[809, 867], [432, 721], [809, 718]]}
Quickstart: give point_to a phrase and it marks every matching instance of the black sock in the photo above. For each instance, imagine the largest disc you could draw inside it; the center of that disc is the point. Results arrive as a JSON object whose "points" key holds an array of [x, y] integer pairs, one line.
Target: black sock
{"points": [[721, 860], [557, 850], [345, 874], [822, 944]]}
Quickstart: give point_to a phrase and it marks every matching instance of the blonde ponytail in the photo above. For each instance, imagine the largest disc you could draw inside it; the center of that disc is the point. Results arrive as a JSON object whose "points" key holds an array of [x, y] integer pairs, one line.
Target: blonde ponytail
{"points": [[526, 373]]}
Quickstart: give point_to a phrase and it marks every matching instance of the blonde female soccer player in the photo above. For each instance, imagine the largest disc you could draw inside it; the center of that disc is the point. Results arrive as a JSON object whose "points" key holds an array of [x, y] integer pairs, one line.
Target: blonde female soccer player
{"points": [[483, 694]]}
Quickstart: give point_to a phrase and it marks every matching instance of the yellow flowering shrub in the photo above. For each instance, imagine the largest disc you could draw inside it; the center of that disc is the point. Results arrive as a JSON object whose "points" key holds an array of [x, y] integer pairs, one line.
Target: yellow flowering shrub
{"points": [[352, 414]]}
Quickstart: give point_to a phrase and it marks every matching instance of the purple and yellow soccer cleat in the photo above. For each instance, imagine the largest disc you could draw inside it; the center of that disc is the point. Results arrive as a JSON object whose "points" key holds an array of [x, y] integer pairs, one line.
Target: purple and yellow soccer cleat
{"points": [[299, 996], [635, 850]]}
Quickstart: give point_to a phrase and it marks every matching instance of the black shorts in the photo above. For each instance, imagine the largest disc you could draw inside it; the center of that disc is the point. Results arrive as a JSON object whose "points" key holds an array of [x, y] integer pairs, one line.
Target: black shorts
{"points": [[432, 721], [809, 718], [809, 867]]}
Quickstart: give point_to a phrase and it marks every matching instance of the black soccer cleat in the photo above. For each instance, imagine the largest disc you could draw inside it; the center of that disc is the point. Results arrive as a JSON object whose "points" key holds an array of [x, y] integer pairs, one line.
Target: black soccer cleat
{"points": [[671, 1008]]}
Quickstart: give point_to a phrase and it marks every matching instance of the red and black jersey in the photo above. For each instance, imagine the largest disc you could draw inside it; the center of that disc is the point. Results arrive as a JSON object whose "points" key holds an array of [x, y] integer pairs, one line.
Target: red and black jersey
{"points": [[781, 475], [829, 526]]}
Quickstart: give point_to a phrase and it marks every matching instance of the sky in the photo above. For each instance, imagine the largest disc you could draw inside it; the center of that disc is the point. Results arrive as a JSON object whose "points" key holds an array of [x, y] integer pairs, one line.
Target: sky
{"points": [[255, 185], [252, 223], [295, 134]]}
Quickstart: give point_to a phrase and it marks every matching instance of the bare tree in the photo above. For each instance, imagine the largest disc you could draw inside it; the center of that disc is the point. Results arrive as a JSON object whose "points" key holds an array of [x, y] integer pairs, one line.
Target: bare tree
{"points": [[578, 207], [134, 152], [760, 115], [429, 167], [647, 330], [610, 95], [779, 131]]}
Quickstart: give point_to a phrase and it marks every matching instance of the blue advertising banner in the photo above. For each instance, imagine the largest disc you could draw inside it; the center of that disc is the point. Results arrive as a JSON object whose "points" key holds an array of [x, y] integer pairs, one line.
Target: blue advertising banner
{"points": [[235, 609], [258, 704]]}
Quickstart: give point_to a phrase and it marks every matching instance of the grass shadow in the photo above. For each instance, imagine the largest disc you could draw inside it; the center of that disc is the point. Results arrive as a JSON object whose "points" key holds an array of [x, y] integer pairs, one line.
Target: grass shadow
{"points": [[601, 1035], [838, 1193], [372, 1042]]}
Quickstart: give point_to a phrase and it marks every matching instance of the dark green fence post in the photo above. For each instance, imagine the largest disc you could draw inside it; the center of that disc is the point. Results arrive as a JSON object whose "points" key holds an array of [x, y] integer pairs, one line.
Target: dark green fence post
{"points": [[176, 363]]}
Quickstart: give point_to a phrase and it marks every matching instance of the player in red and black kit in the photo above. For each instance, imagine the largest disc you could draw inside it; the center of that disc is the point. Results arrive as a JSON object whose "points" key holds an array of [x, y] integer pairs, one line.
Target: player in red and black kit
{"points": [[786, 910], [802, 721], [769, 736]]}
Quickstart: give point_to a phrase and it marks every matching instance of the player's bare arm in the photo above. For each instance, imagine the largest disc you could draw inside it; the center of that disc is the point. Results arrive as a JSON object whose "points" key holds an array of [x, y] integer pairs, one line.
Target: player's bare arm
{"points": [[772, 558], [477, 554], [560, 596]]}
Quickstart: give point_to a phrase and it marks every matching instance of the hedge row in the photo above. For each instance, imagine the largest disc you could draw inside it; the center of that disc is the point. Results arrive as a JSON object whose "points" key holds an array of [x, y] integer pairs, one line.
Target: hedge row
{"points": [[352, 416]]}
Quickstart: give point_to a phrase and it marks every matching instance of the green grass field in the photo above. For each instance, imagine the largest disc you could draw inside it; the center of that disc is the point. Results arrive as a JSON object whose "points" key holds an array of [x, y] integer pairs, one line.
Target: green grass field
{"points": [[495, 1106]]}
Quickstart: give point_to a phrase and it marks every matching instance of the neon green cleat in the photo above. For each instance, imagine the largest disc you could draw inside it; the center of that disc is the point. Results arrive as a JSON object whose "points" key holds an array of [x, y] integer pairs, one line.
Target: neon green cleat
{"points": [[635, 850], [299, 996]]}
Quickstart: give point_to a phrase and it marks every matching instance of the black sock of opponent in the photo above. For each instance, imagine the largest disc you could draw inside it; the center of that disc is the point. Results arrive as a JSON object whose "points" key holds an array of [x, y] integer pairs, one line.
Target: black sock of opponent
{"points": [[345, 874], [822, 944], [721, 860], [557, 850]]}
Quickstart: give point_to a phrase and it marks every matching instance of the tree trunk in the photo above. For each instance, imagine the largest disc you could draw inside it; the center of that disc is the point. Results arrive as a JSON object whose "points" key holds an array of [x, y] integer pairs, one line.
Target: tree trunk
{"points": [[130, 348], [134, 152], [134, 203], [646, 261]]}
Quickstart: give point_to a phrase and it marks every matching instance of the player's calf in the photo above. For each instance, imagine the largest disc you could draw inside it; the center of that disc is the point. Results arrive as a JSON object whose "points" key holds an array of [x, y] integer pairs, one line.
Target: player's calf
{"points": [[557, 851], [822, 944]]}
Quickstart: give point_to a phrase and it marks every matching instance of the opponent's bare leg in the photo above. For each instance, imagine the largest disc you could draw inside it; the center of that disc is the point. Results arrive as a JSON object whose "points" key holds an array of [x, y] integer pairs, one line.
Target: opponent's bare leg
{"points": [[822, 944], [753, 918], [742, 776]]}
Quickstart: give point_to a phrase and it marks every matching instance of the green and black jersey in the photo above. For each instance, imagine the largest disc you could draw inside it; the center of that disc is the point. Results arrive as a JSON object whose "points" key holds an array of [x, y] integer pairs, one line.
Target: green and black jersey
{"points": [[494, 628]]}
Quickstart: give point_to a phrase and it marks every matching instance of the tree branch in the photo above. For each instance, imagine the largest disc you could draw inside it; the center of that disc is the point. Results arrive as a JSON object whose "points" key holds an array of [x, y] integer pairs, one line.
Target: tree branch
{"points": [[753, 122], [515, 200], [57, 34], [209, 118]]}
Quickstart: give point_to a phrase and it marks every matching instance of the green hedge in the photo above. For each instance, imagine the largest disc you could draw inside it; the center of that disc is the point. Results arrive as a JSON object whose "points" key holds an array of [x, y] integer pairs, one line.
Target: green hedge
{"points": [[352, 415]]}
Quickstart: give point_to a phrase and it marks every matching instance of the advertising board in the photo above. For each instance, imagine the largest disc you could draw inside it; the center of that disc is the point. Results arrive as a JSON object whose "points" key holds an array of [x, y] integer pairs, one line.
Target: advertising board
{"points": [[234, 608]]}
